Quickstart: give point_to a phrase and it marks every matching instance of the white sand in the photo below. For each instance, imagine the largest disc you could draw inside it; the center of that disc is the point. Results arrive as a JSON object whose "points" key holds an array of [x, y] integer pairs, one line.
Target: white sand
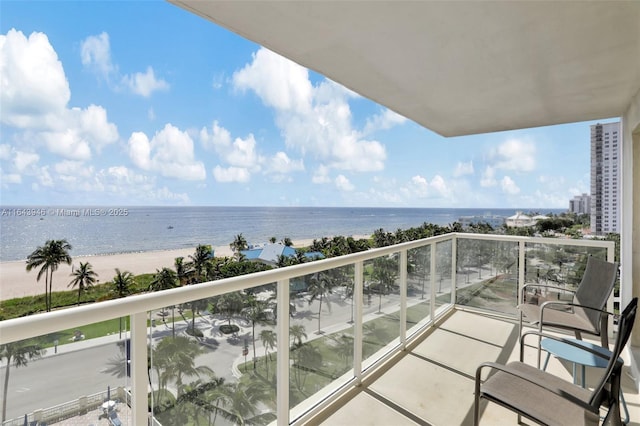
{"points": [[15, 281]]}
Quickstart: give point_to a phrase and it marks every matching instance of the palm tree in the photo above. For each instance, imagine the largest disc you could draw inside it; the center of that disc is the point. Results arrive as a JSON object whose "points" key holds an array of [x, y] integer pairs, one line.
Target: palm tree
{"points": [[163, 280], [239, 402], [229, 304], [385, 271], [239, 244], [175, 359], [319, 288], [49, 256], [84, 277], [199, 259], [20, 353], [122, 283], [269, 340], [182, 271], [297, 332], [256, 312]]}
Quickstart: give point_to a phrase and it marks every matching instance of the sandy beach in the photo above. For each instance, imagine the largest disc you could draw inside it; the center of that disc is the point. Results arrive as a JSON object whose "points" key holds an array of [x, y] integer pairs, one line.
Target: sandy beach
{"points": [[15, 281]]}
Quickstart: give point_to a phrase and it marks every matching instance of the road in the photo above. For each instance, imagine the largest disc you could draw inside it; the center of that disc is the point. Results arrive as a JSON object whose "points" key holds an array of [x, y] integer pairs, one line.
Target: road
{"points": [[56, 379]]}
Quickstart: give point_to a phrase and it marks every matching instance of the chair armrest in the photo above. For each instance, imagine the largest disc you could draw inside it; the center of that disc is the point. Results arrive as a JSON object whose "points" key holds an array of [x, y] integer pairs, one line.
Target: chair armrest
{"points": [[550, 303], [533, 380]]}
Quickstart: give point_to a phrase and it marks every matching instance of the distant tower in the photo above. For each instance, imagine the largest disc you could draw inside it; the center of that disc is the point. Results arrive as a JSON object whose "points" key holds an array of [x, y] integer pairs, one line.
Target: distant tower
{"points": [[581, 204], [605, 178]]}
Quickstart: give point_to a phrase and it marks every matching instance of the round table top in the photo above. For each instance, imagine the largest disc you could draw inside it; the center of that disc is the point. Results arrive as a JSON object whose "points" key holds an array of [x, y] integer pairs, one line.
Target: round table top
{"points": [[573, 354]]}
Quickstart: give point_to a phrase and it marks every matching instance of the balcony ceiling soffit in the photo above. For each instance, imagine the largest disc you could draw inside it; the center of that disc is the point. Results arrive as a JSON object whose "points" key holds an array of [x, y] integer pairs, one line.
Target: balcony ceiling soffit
{"points": [[457, 67]]}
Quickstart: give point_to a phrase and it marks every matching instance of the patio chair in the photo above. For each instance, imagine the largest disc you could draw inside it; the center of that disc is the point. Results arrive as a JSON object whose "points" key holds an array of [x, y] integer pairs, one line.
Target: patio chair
{"points": [[550, 400], [114, 419], [584, 313]]}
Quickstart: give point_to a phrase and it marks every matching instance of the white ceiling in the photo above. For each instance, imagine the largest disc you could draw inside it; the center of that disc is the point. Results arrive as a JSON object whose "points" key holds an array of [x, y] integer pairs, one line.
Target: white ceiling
{"points": [[457, 67]]}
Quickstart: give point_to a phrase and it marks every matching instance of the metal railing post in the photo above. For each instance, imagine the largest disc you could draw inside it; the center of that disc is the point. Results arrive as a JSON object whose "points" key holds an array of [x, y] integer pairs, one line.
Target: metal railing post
{"points": [[521, 271], [358, 321], [403, 298], [282, 391], [139, 369]]}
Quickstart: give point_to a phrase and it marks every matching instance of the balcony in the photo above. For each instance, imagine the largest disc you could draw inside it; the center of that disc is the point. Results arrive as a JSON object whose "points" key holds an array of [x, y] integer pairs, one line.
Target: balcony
{"points": [[388, 336]]}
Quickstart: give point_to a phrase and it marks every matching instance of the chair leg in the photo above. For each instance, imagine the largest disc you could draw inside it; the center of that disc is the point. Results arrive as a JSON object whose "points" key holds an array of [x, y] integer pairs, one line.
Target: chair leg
{"points": [[476, 406]]}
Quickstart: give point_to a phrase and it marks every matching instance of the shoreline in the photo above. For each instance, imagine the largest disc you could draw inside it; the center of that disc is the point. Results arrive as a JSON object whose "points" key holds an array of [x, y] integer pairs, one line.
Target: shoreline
{"points": [[16, 282]]}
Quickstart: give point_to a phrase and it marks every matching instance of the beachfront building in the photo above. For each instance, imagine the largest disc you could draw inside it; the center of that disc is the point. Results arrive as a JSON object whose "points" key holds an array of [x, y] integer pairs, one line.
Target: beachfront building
{"points": [[457, 69], [269, 254], [580, 204], [519, 220], [606, 147]]}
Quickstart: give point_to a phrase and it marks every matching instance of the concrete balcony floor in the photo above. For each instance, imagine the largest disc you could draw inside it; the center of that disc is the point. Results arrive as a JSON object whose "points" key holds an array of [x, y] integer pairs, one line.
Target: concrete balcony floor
{"points": [[432, 382]]}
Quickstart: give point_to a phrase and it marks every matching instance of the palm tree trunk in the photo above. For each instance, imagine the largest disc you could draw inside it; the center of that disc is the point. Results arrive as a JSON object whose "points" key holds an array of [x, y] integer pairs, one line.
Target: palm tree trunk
{"points": [[319, 309], [253, 342], [50, 290]]}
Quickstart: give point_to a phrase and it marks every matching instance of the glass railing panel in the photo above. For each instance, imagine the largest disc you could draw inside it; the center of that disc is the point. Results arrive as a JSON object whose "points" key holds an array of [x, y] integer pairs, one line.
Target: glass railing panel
{"points": [[214, 359], [487, 274], [559, 265], [381, 310], [321, 330], [418, 287], [84, 370], [443, 270]]}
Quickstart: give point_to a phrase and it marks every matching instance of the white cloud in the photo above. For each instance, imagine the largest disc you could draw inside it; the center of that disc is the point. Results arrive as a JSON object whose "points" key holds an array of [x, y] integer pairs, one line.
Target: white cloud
{"points": [[68, 144], [11, 178], [280, 163], [144, 84], [34, 97], [488, 178], [383, 121], [463, 169], [231, 174], [420, 186], [321, 175], [33, 88], [23, 160], [279, 82], [509, 186], [5, 151], [343, 184], [515, 154], [439, 185], [95, 52], [169, 153], [314, 120]]}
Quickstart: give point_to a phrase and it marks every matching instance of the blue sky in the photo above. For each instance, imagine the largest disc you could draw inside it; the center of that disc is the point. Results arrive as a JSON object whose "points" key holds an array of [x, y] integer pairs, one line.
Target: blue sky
{"points": [[143, 103]]}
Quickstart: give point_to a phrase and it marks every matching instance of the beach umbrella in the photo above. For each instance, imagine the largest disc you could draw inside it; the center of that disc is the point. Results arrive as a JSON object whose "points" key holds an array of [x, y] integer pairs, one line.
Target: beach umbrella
{"points": [[108, 393], [26, 420]]}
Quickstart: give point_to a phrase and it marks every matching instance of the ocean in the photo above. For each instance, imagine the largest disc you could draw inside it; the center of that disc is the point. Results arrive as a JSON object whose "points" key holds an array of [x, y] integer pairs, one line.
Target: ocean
{"points": [[108, 230]]}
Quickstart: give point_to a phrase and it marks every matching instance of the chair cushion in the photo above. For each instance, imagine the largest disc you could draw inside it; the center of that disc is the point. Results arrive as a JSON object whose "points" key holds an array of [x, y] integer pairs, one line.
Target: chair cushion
{"points": [[536, 402]]}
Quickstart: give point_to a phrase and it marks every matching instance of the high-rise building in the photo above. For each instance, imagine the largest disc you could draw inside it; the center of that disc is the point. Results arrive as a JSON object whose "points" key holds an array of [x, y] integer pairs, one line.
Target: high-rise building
{"points": [[605, 178], [581, 204]]}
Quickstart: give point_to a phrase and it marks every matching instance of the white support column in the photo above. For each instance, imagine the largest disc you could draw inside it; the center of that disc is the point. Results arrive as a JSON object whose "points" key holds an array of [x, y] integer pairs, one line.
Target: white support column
{"points": [[521, 265], [432, 275], [454, 267], [358, 300], [139, 372], [403, 298], [282, 391]]}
